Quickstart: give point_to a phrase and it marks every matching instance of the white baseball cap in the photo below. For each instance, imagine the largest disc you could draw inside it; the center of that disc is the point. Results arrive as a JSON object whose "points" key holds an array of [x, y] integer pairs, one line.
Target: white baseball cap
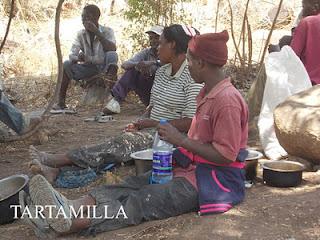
{"points": [[155, 29]]}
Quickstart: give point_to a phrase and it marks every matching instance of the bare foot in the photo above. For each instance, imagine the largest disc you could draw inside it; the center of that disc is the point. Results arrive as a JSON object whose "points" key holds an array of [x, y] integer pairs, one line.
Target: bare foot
{"points": [[48, 172], [42, 157], [48, 159]]}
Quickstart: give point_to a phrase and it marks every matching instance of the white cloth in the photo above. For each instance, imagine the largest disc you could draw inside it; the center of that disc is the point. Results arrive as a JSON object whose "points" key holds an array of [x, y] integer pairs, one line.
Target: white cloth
{"points": [[286, 75]]}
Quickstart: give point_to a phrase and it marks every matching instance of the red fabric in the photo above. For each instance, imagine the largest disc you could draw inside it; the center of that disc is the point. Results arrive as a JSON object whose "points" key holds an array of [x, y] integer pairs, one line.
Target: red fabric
{"points": [[197, 159], [305, 43], [187, 173], [210, 47], [221, 119]]}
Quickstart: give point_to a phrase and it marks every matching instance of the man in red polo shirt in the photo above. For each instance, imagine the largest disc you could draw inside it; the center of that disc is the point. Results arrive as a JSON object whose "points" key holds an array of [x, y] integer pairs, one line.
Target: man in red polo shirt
{"points": [[213, 154]]}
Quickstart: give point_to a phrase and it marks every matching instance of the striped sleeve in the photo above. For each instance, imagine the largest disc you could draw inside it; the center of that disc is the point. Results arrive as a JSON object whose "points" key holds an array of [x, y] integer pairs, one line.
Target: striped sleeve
{"points": [[156, 77], [192, 90]]}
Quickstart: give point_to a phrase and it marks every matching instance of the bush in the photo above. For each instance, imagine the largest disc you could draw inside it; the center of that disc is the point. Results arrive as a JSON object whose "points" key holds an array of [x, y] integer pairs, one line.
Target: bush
{"points": [[144, 14]]}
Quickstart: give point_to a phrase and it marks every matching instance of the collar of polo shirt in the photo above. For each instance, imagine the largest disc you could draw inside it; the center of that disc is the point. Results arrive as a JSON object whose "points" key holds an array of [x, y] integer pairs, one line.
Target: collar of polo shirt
{"points": [[178, 73]]}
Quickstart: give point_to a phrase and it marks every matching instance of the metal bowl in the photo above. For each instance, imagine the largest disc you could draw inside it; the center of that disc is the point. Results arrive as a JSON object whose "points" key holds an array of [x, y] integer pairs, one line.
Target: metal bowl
{"points": [[142, 160], [9, 195], [282, 173], [251, 163]]}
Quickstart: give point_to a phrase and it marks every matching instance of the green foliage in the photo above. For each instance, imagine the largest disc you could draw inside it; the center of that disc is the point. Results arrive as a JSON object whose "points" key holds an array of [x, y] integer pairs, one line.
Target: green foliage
{"points": [[146, 13]]}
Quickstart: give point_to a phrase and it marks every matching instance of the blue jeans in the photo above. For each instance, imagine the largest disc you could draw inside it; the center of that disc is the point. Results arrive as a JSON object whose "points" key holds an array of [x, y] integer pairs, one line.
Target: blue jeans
{"points": [[10, 115]]}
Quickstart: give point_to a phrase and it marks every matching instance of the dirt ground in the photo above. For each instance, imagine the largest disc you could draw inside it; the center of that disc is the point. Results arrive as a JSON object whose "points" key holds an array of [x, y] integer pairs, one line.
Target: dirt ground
{"points": [[266, 213]]}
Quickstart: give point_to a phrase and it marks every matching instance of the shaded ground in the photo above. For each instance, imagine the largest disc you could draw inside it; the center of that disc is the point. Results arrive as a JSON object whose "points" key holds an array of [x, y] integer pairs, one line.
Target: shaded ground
{"points": [[267, 213]]}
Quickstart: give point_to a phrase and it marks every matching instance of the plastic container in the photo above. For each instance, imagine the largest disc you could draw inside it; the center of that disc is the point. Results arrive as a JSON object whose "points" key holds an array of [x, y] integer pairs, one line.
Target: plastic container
{"points": [[162, 160]]}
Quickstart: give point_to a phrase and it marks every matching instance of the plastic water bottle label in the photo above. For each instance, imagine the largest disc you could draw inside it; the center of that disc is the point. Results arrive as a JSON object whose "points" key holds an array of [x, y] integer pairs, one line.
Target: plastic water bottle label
{"points": [[162, 163]]}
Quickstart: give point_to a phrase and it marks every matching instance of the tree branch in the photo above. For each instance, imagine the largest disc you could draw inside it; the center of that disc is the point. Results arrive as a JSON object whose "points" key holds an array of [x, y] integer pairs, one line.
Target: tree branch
{"points": [[270, 33], [8, 26], [59, 80], [233, 36]]}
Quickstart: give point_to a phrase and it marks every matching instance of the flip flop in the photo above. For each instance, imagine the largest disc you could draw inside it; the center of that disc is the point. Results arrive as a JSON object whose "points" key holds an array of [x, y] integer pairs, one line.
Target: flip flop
{"points": [[99, 119], [90, 119], [104, 119], [43, 194], [39, 225], [63, 111]]}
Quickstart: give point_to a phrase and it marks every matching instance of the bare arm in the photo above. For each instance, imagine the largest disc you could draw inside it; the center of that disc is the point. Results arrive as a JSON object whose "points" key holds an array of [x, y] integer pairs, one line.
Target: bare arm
{"points": [[128, 65], [106, 44], [207, 151], [182, 124], [135, 60], [204, 150], [147, 112]]}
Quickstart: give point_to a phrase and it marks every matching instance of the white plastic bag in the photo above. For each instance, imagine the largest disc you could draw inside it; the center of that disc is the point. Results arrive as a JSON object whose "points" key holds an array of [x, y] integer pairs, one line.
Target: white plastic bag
{"points": [[286, 75]]}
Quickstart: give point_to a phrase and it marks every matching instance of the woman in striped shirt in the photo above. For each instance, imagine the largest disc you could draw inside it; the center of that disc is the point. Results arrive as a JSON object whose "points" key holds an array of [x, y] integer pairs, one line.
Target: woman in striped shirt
{"points": [[173, 97]]}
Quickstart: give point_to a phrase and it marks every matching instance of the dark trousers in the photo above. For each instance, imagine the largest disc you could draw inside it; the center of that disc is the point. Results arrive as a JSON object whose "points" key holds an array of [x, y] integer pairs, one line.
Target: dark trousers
{"points": [[133, 80], [142, 201]]}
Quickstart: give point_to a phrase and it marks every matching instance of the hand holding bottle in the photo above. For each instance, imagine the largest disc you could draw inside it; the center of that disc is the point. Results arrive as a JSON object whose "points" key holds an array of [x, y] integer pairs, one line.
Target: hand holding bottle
{"points": [[170, 134]]}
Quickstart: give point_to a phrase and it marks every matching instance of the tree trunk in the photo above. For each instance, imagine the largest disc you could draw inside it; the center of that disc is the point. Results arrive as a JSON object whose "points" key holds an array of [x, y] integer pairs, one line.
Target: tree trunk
{"points": [[95, 92]]}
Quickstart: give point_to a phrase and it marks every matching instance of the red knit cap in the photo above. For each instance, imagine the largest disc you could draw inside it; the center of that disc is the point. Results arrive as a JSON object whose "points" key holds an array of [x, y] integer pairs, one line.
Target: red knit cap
{"points": [[210, 47]]}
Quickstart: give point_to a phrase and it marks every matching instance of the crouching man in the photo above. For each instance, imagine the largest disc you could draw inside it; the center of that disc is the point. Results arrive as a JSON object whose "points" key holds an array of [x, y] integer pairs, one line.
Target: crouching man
{"points": [[93, 51]]}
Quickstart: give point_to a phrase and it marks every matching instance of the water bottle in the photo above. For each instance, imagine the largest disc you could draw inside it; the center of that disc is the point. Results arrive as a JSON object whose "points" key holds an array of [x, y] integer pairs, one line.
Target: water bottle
{"points": [[162, 160]]}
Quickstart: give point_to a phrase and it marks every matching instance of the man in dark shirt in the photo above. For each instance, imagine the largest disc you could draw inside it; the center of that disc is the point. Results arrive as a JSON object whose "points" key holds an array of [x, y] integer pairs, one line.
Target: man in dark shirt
{"points": [[139, 74]]}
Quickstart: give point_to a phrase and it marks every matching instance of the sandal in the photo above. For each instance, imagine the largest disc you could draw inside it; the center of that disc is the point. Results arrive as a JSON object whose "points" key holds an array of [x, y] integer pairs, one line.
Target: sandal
{"points": [[39, 225], [57, 109], [100, 118]]}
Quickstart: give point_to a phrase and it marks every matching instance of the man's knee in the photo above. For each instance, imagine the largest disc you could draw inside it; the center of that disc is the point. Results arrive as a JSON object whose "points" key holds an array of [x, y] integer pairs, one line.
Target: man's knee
{"points": [[111, 57], [67, 64]]}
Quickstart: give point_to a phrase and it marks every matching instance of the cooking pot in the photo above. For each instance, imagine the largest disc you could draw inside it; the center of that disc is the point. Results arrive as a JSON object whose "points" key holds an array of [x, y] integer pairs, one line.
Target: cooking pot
{"points": [[282, 173], [9, 195]]}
